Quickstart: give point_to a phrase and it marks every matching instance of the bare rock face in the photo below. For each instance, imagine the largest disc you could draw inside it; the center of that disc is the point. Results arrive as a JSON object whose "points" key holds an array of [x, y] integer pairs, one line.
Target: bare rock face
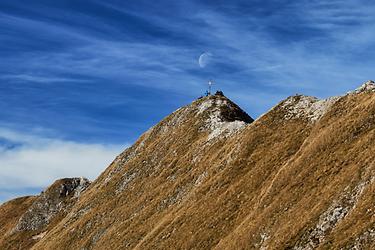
{"points": [[224, 117], [57, 198], [367, 86], [308, 107]]}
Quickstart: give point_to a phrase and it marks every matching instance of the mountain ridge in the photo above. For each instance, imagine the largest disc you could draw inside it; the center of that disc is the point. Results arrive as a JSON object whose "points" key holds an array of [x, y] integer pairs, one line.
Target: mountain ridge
{"points": [[300, 176]]}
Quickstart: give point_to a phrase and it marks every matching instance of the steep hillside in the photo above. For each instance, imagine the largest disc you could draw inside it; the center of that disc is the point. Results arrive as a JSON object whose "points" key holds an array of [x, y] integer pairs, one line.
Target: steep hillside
{"points": [[26, 220], [208, 176]]}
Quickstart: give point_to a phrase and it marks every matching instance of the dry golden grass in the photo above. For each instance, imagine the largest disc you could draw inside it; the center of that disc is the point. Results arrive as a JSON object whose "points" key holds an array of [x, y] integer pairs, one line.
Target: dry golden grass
{"points": [[31, 210], [10, 212], [277, 183]]}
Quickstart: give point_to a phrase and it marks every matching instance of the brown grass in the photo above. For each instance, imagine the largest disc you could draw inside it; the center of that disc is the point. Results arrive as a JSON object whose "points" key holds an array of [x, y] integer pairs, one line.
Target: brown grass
{"points": [[268, 185]]}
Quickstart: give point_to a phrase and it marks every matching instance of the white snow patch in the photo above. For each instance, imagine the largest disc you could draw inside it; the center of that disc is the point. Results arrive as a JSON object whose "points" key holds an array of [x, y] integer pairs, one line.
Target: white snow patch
{"points": [[308, 107]]}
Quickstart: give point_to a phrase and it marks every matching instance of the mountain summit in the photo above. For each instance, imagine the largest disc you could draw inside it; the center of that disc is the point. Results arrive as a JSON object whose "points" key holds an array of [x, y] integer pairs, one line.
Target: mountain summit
{"points": [[208, 176]]}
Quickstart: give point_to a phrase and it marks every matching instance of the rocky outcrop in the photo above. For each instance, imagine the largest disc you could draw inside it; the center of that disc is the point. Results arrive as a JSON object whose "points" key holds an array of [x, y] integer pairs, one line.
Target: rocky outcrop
{"points": [[308, 107], [58, 198], [224, 119], [367, 86], [45, 211]]}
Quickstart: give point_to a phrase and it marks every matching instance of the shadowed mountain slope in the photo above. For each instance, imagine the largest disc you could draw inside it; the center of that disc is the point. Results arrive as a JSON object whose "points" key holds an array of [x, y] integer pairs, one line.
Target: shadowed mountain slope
{"points": [[207, 176]]}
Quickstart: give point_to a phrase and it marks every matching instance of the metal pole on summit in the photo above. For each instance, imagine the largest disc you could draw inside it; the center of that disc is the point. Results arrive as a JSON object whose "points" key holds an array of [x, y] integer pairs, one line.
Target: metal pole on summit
{"points": [[210, 82]]}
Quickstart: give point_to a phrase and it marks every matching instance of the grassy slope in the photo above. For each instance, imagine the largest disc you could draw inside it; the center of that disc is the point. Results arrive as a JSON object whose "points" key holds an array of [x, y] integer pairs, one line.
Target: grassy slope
{"points": [[13, 210], [10, 212], [147, 212], [336, 159], [277, 183]]}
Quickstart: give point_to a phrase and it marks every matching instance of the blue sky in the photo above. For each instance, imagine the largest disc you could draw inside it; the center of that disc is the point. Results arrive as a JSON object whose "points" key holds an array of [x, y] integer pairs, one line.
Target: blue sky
{"points": [[81, 80]]}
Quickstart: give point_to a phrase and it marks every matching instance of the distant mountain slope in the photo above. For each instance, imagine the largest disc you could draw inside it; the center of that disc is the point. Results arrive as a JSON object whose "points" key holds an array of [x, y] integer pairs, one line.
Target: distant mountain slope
{"points": [[208, 176]]}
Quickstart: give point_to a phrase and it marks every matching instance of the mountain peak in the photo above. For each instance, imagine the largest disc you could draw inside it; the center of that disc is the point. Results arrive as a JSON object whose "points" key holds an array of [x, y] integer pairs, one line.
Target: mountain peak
{"points": [[221, 115], [214, 114], [309, 107], [228, 110], [367, 86]]}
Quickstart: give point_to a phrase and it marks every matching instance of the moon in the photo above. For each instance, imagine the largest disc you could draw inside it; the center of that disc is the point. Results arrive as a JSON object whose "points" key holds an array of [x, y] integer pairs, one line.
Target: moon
{"points": [[204, 59]]}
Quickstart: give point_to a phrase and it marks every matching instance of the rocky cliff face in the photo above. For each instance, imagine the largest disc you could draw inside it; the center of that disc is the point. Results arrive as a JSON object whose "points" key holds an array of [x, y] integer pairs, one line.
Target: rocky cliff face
{"points": [[56, 199], [209, 176]]}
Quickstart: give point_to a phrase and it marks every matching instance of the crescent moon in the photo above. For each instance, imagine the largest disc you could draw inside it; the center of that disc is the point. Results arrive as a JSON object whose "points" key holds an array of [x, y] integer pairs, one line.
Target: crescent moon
{"points": [[204, 59]]}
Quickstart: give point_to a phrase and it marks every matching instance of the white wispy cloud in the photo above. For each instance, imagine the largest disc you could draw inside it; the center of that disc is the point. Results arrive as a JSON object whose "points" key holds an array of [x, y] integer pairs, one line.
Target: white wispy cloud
{"points": [[40, 78], [37, 161], [243, 41], [336, 54], [321, 64]]}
